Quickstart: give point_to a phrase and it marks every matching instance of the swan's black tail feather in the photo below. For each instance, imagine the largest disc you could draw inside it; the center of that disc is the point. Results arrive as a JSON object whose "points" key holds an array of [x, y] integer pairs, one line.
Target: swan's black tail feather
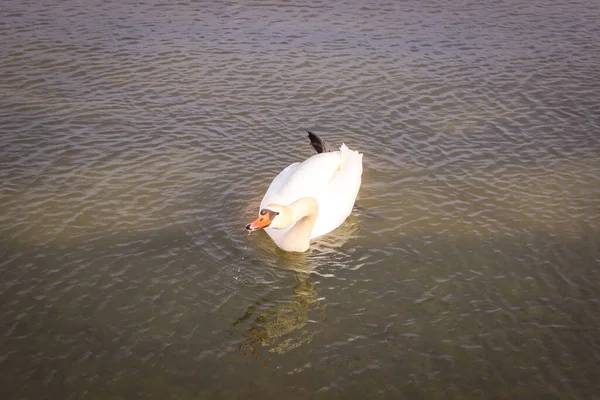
{"points": [[316, 142]]}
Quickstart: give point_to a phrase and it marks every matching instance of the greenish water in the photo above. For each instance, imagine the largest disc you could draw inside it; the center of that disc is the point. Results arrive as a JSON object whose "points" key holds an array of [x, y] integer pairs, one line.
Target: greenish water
{"points": [[137, 139]]}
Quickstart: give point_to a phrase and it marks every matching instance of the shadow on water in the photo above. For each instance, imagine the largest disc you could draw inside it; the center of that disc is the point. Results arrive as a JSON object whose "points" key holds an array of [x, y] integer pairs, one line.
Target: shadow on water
{"points": [[200, 300], [115, 327]]}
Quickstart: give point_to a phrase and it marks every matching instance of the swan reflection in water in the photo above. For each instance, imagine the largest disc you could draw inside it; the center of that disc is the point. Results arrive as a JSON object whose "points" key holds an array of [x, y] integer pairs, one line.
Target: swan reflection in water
{"points": [[282, 326]]}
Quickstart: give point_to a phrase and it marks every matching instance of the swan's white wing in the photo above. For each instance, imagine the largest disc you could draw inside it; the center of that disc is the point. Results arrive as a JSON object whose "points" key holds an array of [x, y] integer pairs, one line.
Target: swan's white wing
{"points": [[305, 179], [336, 199], [277, 185]]}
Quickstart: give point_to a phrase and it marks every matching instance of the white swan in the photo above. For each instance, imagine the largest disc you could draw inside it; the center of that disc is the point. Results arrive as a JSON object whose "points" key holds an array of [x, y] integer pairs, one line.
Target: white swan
{"points": [[310, 198]]}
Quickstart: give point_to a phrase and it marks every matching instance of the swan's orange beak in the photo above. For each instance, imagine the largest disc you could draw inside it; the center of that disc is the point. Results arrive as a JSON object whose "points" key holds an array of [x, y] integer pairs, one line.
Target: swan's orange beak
{"points": [[263, 220]]}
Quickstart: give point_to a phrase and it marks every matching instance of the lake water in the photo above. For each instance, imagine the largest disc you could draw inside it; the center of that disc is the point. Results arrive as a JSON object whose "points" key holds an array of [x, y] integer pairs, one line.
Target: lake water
{"points": [[137, 140]]}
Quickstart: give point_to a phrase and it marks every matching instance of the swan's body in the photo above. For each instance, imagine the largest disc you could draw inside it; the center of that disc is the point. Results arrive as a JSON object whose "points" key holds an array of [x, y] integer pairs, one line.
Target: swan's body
{"points": [[310, 198]]}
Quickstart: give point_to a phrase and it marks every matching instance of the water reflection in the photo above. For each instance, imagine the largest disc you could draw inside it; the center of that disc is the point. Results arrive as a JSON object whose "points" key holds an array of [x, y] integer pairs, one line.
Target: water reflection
{"points": [[480, 125], [279, 325]]}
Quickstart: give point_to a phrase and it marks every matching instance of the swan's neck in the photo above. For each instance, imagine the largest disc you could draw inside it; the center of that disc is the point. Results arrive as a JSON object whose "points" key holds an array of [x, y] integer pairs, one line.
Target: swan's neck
{"points": [[303, 214]]}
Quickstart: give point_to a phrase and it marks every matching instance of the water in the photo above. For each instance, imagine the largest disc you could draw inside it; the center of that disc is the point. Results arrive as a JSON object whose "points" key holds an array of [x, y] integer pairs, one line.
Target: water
{"points": [[138, 138]]}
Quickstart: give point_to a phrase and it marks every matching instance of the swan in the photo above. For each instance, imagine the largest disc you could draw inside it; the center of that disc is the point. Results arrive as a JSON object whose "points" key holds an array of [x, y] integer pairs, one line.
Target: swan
{"points": [[310, 198]]}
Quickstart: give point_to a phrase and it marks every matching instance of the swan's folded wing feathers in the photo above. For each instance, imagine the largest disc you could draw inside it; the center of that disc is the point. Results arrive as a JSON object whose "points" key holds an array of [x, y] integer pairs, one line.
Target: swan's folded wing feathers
{"points": [[305, 179]]}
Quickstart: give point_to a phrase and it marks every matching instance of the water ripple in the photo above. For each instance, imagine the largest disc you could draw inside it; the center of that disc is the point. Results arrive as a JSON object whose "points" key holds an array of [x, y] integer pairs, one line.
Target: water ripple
{"points": [[137, 143]]}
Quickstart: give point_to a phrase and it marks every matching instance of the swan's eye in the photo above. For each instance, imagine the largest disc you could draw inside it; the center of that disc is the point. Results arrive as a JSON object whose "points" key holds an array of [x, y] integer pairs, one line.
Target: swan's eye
{"points": [[271, 213]]}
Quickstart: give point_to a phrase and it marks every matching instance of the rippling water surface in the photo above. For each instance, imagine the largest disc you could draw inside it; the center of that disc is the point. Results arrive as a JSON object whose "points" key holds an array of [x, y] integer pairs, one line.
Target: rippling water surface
{"points": [[137, 139]]}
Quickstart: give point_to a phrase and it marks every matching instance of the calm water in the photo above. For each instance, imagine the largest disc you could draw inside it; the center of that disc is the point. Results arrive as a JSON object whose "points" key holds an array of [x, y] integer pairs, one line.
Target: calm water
{"points": [[137, 139]]}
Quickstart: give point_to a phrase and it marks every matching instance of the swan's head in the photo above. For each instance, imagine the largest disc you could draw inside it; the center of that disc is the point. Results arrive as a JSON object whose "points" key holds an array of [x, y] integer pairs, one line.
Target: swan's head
{"points": [[266, 217]]}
